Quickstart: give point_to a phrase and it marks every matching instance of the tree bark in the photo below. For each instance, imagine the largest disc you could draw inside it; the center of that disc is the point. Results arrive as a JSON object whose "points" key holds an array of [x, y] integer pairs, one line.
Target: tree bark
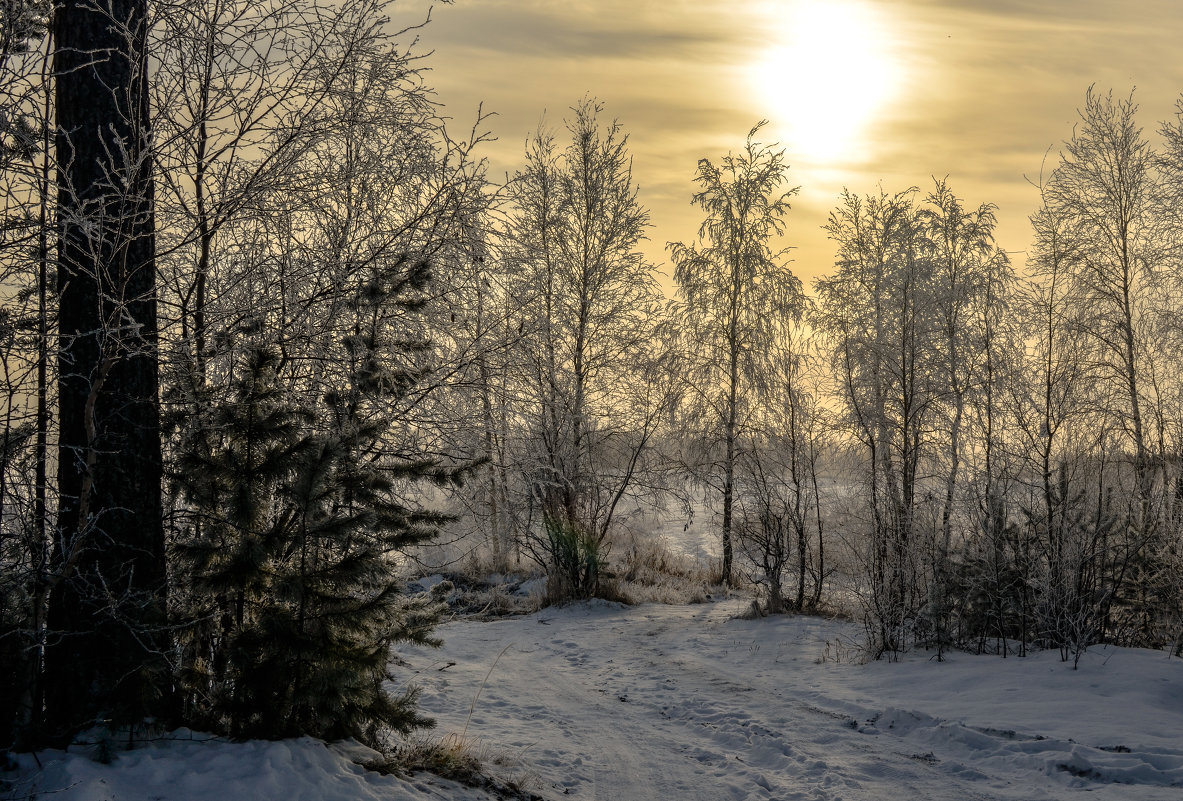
{"points": [[106, 657]]}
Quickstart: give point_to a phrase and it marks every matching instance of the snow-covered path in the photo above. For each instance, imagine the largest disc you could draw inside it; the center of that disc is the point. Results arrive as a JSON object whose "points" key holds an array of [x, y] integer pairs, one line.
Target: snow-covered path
{"points": [[688, 703]]}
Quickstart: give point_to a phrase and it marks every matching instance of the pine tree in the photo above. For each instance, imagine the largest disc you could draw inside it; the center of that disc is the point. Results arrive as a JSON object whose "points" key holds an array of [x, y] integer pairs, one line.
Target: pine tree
{"points": [[231, 465], [294, 525], [106, 661]]}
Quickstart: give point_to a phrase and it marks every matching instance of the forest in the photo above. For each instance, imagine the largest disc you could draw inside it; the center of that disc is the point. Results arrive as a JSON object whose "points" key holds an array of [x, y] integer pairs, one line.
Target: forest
{"points": [[270, 328]]}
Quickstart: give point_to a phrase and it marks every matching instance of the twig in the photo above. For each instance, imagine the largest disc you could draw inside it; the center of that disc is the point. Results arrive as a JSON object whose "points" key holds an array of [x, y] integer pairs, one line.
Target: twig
{"points": [[472, 708]]}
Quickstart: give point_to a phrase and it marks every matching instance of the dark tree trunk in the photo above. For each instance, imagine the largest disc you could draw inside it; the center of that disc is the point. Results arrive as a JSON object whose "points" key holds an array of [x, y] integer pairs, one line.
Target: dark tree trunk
{"points": [[106, 654]]}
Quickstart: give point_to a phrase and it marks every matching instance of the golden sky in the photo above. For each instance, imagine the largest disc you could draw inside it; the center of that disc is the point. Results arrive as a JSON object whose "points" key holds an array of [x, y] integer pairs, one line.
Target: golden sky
{"points": [[858, 92]]}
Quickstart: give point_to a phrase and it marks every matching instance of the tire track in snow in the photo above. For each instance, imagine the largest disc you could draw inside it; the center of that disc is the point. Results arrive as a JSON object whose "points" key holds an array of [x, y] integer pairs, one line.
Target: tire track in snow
{"points": [[784, 747], [678, 702]]}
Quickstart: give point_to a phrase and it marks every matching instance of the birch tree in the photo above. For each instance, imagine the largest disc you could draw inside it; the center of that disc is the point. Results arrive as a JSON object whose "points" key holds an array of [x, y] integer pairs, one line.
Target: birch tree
{"points": [[589, 302], [779, 524], [878, 316], [1105, 191], [1108, 191], [736, 296], [959, 245]]}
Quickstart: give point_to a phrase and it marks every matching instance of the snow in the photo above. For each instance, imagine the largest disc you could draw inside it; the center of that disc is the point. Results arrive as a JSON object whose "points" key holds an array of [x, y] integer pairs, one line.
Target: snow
{"points": [[199, 768], [690, 702], [600, 701], [426, 583]]}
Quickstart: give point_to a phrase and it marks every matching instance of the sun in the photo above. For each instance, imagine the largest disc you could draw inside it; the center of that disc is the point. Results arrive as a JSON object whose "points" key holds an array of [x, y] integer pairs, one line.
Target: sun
{"points": [[828, 74]]}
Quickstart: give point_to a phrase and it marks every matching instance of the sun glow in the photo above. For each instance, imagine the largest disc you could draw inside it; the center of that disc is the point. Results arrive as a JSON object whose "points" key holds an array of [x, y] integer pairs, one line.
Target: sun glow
{"points": [[828, 74]]}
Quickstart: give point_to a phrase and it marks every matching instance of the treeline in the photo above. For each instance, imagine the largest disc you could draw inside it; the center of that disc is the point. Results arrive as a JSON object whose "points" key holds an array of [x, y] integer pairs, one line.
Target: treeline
{"points": [[267, 327], [976, 457], [1020, 436]]}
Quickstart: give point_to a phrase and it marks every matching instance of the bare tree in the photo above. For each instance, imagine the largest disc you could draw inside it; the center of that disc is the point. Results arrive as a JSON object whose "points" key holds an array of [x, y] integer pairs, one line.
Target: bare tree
{"points": [[736, 298], [1105, 191], [1108, 191], [878, 315], [26, 324], [589, 302], [240, 91], [959, 245], [779, 517], [994, 467]]}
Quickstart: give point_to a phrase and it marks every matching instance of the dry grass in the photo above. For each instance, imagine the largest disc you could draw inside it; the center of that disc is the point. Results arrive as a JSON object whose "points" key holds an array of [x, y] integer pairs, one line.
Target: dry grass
{"points": [[465, 760], [641, 568], [646, 571], [846, 652], [486, 596], [452, 756]]}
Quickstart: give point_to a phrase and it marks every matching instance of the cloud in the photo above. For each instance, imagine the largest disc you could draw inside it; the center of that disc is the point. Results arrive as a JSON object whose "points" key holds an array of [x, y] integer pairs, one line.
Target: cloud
{"points": [[990, 86], [609, 29], [1098, 16]]}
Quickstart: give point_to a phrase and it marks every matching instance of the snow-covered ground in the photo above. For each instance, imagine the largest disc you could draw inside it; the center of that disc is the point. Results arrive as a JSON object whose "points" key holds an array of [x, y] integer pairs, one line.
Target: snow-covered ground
{"points": [[688, 702]]}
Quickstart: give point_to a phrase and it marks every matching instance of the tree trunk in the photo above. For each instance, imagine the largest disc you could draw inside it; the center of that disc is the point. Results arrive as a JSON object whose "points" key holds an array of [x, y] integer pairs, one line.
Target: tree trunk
{"points": [[730, 434], [106, 656]]}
